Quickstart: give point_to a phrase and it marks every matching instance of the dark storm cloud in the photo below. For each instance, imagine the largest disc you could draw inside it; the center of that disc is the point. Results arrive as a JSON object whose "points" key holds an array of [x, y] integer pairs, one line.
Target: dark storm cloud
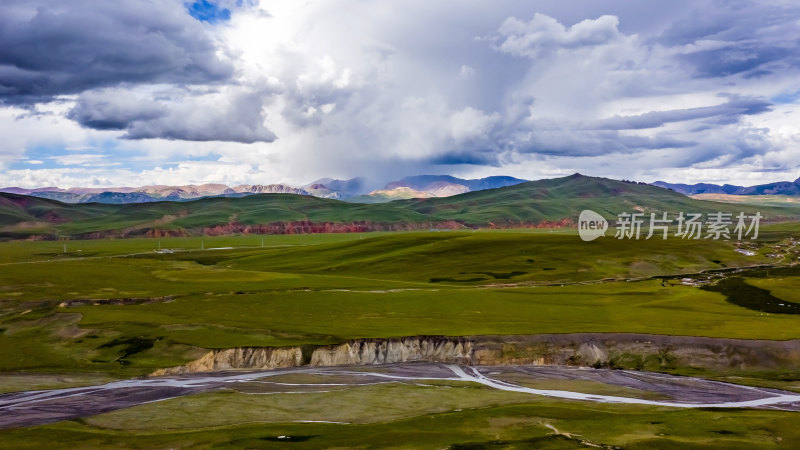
{"points": [[115, 55], [240, 120], [102, 111], [51, 47], [726, 113]]}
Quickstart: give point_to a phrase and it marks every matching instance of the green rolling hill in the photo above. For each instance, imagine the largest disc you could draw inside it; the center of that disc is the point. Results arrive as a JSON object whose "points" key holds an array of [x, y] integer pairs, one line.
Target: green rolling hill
{"points": [[537, 203], [553, 200]]}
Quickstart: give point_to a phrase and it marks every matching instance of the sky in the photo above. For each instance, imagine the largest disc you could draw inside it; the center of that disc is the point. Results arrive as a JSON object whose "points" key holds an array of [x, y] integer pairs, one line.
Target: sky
{"points": [[139, 92]]}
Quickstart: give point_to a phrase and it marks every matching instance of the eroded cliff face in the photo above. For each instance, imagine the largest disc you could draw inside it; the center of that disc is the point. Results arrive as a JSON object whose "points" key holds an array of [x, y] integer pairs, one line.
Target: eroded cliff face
{"points": [[614, 350], [240, 358], [456, 350], [639, 352]]}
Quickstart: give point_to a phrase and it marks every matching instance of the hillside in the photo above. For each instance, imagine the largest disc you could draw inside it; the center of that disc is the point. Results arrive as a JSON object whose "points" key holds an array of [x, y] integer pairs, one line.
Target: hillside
{"points": [[39, 213], [553, 202], [22, 216]]}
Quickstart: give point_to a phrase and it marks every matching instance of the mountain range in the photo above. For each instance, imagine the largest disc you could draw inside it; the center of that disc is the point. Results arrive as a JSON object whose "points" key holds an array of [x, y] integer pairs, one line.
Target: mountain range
{"points": [[777, 188], [155, 193], [353, 190], [543, 203]]}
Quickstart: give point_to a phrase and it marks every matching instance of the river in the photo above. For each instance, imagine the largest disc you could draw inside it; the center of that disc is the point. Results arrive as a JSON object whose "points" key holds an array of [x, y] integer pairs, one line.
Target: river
{"points": [[29, 408]]}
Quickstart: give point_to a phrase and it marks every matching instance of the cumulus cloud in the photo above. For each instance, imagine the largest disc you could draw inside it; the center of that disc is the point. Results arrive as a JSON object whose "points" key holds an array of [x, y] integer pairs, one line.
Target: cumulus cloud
{"points": [[543, 33], [113, 109]]}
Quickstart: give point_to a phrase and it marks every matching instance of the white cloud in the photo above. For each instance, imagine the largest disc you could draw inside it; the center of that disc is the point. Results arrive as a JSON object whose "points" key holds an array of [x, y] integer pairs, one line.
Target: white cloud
{"points": [[543, 33], [231, 113], [190, 172], [78, 159], [466, 72], [346, 88], [45, 126]]}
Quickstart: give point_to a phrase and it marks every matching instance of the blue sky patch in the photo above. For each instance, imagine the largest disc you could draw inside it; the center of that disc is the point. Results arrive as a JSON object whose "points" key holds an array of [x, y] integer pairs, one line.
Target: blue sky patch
{"points": [[206, 11], [786, 98], [99, 154]]}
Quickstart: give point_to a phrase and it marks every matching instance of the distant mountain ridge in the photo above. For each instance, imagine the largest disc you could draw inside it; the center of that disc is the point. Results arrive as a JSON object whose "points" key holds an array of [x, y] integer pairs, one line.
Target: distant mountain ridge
{"points": [[123, 195], [777, 188], [156, 193], [353, 190], [543, 203]]}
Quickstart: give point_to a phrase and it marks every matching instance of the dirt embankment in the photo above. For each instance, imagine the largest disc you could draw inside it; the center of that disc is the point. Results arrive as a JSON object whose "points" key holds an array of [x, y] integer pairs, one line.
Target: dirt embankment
{"points": [[614, 350], [240, 358]]}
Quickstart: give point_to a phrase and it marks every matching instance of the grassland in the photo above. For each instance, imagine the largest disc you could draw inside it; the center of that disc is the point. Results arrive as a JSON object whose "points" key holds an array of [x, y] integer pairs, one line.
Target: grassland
{"points": [[788, 201], [322, 289], [327, 288]]}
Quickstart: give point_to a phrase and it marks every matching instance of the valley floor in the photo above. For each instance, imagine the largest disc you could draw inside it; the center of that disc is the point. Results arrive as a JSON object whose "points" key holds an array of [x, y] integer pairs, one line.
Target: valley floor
{"points": [[360, 396], [113, 311], [599, 385]]}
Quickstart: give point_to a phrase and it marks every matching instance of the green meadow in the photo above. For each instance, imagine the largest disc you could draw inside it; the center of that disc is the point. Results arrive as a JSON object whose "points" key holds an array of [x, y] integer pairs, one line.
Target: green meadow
{"points": [[404, 416], [64, 322], [64, 312]]}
